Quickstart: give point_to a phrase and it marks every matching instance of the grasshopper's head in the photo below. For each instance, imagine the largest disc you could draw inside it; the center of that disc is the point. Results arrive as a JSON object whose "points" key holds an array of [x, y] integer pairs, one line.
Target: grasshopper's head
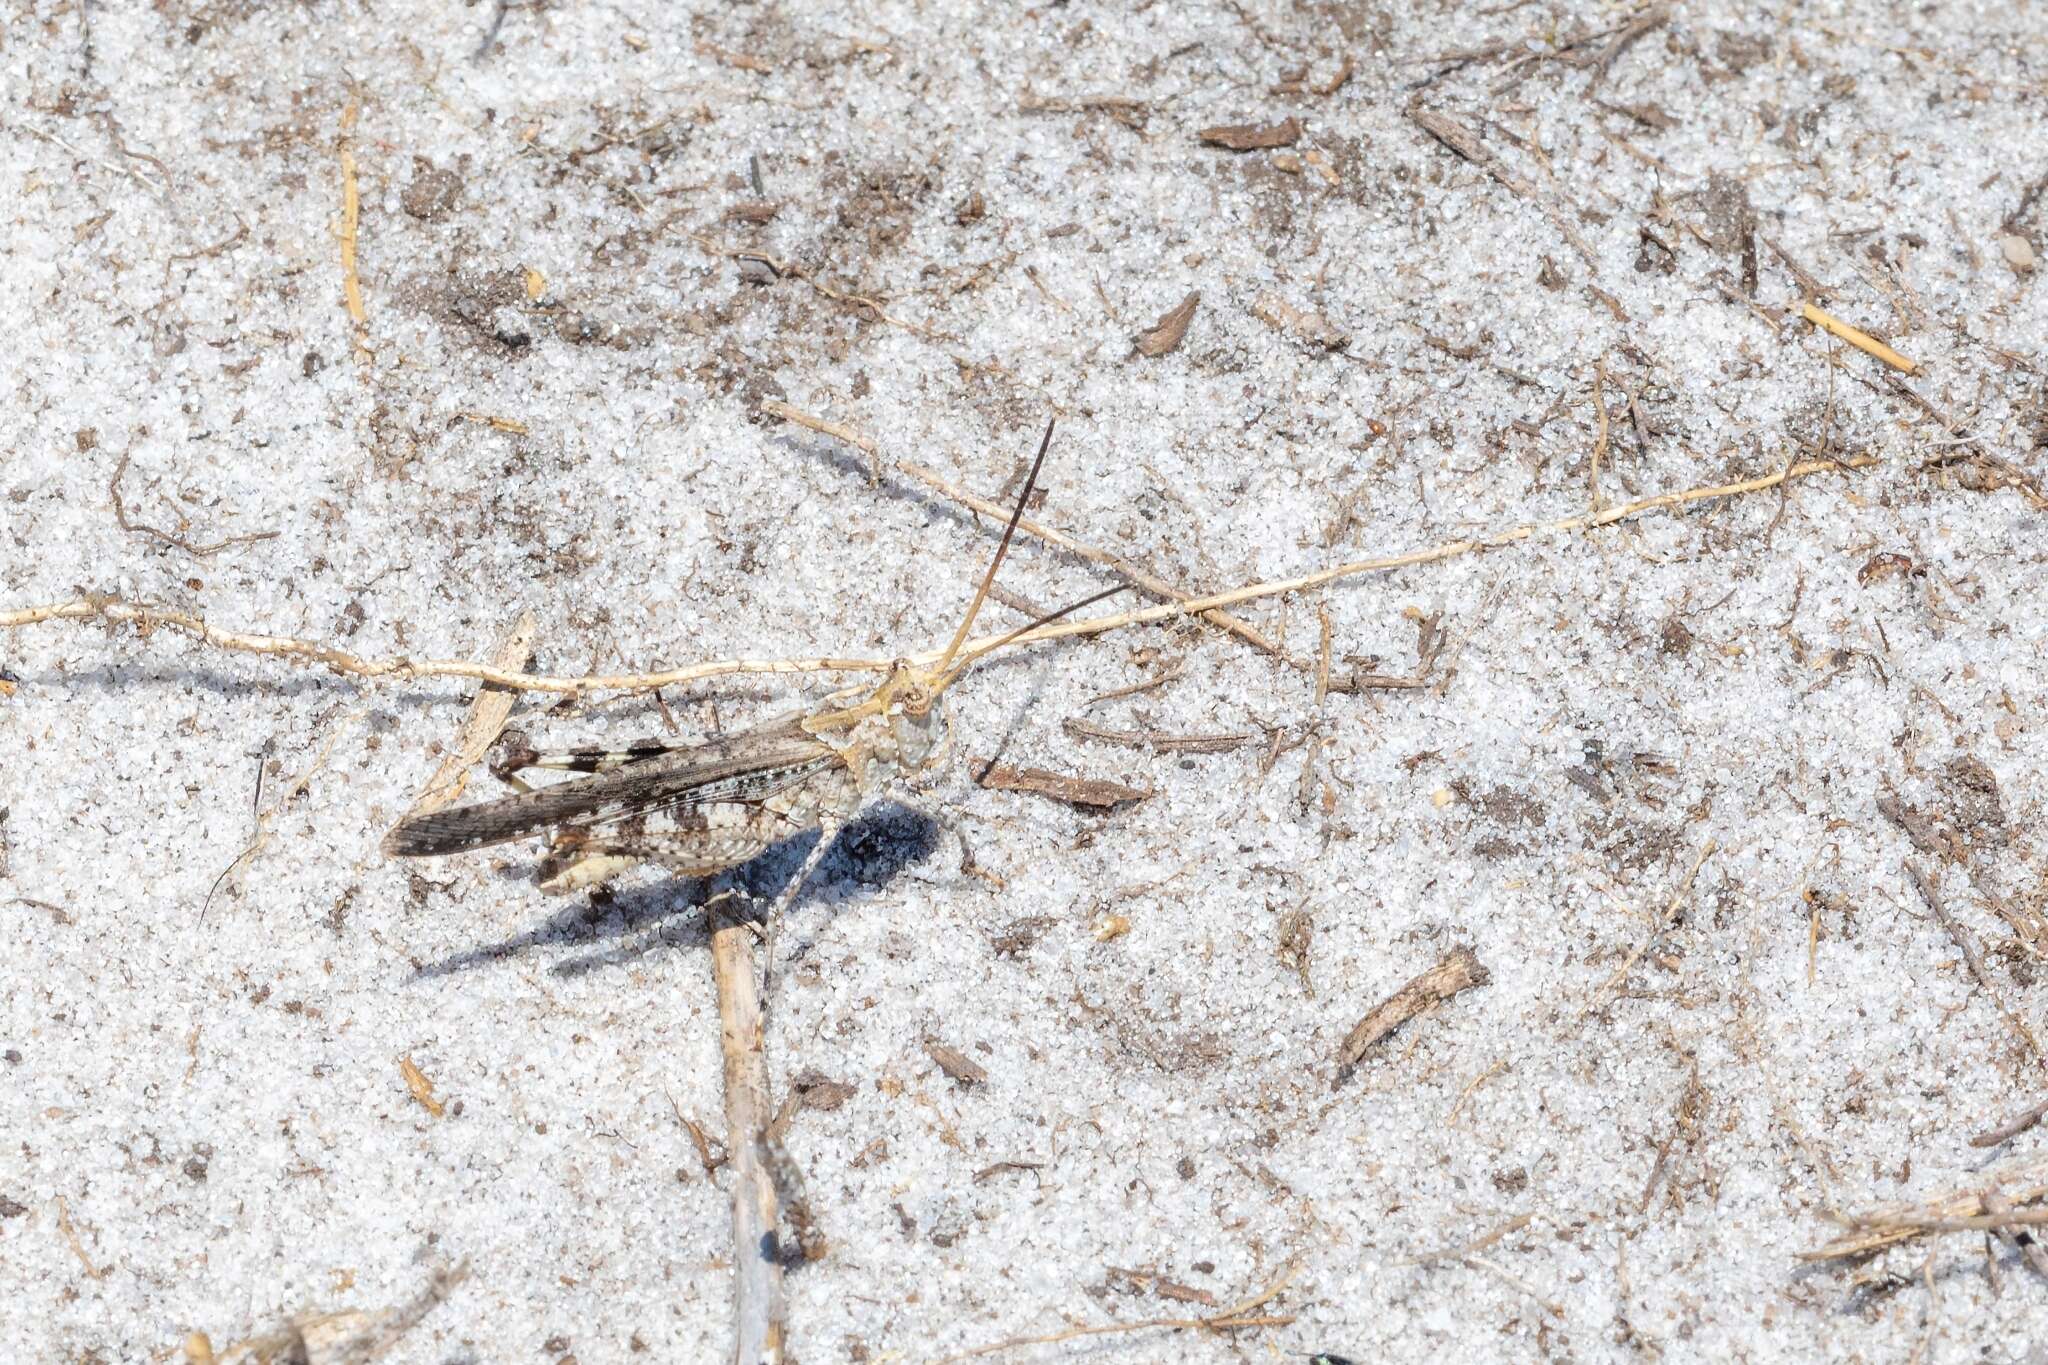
{"points": [[917, 717], [903, 721]]}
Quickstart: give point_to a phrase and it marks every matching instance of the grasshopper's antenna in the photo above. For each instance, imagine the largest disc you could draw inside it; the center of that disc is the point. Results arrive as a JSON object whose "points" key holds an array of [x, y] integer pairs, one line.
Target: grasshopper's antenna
{"points": [[989, 578], [946, 680]]}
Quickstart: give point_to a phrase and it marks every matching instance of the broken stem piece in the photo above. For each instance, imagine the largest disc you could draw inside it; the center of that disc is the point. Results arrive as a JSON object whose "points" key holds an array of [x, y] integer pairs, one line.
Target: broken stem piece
{"points": [[931, 479], [1861, 340], [1460, 971], [759, 1326]]}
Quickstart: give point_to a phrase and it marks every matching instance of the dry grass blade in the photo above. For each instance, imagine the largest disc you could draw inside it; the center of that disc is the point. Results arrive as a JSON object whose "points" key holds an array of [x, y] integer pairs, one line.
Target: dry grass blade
{"points": [[487, 716], [1236, 1318], [1962, 1211]]}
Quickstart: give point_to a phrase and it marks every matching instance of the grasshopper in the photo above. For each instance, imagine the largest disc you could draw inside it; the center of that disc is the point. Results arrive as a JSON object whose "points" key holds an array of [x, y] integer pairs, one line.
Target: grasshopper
{"points": [[700, 809]]}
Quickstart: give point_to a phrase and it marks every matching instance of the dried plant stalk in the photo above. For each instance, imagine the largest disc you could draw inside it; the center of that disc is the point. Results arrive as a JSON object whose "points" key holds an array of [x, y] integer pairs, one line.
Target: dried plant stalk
{"points": [[759, 1311], [145, 617], [1459, 971]]}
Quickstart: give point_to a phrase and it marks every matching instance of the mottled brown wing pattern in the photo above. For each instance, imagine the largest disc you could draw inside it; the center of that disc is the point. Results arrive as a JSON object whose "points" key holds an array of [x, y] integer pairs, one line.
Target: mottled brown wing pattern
{"points": [[747, 767]]}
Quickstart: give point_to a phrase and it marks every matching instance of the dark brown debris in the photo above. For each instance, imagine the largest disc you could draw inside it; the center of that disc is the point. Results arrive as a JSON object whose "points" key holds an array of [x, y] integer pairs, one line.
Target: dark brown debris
{"points": [[1252, 137], [1459, 971], [818, 1091], [1172, 328], [1094, 792]]}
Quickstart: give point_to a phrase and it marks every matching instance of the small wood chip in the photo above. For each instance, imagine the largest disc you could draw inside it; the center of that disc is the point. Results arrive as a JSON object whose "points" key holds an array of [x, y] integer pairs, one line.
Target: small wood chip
{"points": [[1460, 971], [1171, 329], [956, 1064], [1252, 137], [422, 1088], [1094, 792], [819, 1091]]}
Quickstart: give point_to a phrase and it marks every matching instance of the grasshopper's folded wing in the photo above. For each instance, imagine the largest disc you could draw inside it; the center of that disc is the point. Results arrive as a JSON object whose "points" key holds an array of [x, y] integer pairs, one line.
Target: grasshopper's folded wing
{"points": [[749, 766]]}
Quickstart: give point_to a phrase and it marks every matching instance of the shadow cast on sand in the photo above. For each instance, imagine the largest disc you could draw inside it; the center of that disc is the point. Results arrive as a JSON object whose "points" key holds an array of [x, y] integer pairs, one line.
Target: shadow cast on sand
{"points": [[627, 925]]}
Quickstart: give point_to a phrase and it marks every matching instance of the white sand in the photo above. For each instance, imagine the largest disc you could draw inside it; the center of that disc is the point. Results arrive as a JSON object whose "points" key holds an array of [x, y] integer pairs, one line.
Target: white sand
{"points": [[204, 1085]]}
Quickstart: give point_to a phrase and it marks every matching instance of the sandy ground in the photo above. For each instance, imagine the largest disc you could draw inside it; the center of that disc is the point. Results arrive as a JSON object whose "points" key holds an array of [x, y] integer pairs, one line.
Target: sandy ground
{"points": [[1661, 778]]}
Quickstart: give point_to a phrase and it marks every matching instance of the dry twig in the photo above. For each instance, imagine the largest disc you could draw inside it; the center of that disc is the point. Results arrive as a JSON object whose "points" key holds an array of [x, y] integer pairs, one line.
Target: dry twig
{"points": [[139, 528], [1154, 741], [1094, 792], [1972, 957], [1463, 141], [1962, 1211], [2011, 1128], [1861, 340], [759, 1312], [1459, 971], [145, 616]]}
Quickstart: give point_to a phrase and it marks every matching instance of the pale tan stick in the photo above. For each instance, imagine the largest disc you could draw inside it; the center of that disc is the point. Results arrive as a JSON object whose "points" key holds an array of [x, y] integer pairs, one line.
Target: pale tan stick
{"points": [[143, 617], [487, 716], [938, 483], [1862, 341], [759, 1311], [1448, 550]]}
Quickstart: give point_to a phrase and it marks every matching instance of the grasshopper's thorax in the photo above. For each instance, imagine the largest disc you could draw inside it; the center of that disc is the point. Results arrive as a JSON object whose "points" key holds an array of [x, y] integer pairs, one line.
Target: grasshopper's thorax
{"points": [[900, 730]]}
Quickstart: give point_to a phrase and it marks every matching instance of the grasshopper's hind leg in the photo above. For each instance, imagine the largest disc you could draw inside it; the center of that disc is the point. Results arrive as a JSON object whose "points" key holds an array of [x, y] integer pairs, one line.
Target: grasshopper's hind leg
{"points": [[828, 834], [687, 842]]}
